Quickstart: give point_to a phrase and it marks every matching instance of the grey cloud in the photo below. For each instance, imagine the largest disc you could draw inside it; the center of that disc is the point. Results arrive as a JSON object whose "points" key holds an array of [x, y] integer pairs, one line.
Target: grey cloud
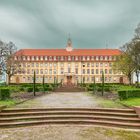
{"points": [[46, 24]]}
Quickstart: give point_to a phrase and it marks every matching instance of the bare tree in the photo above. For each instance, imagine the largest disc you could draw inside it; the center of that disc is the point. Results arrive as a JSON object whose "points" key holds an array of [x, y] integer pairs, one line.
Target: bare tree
{"points": [[8, 63]]}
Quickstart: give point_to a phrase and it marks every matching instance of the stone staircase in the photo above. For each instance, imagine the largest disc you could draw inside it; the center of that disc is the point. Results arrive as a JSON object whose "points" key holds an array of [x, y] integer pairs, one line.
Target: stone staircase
{"points": [[121, 118], [69, 89]]}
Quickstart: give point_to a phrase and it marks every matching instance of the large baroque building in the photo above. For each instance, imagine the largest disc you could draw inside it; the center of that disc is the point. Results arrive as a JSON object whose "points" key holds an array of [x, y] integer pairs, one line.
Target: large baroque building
{"points": [[68, 65]]}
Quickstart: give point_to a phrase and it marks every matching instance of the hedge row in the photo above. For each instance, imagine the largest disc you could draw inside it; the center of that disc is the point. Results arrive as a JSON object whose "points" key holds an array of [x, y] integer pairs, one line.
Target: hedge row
{"points": [[4, 93], [125, 94]]}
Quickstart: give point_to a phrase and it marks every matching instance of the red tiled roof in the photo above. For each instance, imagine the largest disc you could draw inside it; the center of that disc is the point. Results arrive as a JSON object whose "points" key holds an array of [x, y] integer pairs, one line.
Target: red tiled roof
{"points": [[63, 52]]}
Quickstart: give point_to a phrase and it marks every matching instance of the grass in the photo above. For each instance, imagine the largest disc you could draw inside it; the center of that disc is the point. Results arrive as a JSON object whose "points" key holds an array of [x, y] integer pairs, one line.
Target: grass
{"points": [[131, 102], [7, 103]]}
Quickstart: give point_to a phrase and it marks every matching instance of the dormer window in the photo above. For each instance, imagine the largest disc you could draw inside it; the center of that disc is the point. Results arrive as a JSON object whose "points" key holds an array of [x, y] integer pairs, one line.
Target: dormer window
{"points": [[54, 58], [76, 58], [88, 58], [37, 58], [97, 58], [110, 57], [24, 58], [92, 58], [33, 58], [62, 58], [83, 58], [46, 58], [101, 57], [50, 58], [69, 58], [105, 57], [28, 58], [41, 57]]}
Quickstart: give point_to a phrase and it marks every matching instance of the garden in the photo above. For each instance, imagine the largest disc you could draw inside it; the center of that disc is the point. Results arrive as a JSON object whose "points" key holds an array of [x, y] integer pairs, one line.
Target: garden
{"points": [[128, 95]]}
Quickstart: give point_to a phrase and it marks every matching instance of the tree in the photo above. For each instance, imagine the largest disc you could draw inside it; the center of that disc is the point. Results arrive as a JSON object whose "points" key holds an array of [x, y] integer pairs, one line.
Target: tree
{"points": [[103, 81], [8, 63], [125, 65], [94, 85], [43, 83], [34, 82]]}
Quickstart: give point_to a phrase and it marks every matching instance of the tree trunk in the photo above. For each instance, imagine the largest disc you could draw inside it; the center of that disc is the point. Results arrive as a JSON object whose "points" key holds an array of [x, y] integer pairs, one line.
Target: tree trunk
{"points": [[9, 79], [137, 75], [130, 79]]}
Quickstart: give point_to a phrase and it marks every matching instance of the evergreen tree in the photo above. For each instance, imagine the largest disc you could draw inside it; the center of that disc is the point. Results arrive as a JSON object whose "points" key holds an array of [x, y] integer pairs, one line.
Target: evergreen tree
{"points": [[34, 82]]}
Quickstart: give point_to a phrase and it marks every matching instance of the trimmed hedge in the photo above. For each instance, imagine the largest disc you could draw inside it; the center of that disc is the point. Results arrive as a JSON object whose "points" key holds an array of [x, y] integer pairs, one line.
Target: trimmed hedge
{"points": [[125, 94], [4, 93]]}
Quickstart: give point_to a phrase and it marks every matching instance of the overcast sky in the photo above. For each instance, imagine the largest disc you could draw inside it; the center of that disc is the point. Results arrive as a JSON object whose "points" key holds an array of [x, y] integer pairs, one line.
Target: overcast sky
{"points": [[47, 23]]}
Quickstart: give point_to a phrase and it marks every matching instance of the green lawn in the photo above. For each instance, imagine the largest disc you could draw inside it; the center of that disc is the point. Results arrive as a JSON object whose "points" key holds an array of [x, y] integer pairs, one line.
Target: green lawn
{"points": [[8, 103], [131, 102]]}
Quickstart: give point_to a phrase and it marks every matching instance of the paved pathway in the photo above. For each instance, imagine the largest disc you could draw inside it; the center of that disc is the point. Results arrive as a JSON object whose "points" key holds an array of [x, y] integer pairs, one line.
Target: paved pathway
{"points": [[64, 99]]}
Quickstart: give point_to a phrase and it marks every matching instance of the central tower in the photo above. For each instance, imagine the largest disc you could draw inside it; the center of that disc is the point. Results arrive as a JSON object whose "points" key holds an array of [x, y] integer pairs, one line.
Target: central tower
{"points": [[69, 47]]}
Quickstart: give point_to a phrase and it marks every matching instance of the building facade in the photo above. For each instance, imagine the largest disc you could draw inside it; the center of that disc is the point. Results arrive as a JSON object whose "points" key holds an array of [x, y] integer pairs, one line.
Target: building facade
{"points": [[69, 66]]}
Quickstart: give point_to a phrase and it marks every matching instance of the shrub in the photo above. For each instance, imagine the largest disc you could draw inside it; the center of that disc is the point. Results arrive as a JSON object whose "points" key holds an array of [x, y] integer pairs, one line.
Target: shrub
{"points": [[29, 89], [4, 93], [125, 94]]}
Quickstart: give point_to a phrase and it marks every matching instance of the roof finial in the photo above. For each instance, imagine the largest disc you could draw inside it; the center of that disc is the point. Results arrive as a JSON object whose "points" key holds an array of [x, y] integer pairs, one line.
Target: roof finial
{"points": [[69, 44]]}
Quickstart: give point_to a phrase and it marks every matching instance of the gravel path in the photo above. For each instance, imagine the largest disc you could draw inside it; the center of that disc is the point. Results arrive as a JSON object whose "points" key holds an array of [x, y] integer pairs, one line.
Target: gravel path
{"points": [[64, 99], [67, 132]]}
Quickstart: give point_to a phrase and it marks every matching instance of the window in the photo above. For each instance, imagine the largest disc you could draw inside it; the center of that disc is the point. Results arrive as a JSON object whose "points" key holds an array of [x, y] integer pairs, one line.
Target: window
{"points": [[41, 64], [88, 64], [54, 71], [105, 57], [101, 64], [50, 71], [54, 64], [110, 57], [97, 58], [105, 71], [50, 58], [92, 71], [101, 57], [41, 57], [32, 64], [46, 58], [76, 70], [83, 58], [83, 71], [62, 58], [37, 71], [69, 65], [37, 58], [101, 71], [76, 65], [97, 64], [50, 64], [37, 64], [24, 58], [110, 71], [41, 71], [106, 64], [88, 71], [92, 58], [76, 58], [88, 58], [46, 64], [110, 64], [28, 58], [97, 71], [62, 71], [33, 58], [46, 71], [69, 58], [88, 79], [54, 58], [92, 65], [69, 70]]}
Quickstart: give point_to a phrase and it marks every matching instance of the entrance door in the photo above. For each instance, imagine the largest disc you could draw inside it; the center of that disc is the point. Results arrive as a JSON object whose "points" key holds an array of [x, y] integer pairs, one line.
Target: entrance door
{"points": [[17, 80], [121, 80], [69, 80]]}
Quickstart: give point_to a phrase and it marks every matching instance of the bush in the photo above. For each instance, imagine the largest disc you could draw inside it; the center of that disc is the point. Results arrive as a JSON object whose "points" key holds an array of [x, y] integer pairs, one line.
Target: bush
{"points": [[29, 89], [125, 94], [4, 93]]}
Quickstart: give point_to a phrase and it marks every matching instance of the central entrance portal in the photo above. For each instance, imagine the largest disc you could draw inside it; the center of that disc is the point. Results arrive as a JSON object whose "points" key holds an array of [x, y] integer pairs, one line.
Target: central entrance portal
{"points": [[69, 80]]}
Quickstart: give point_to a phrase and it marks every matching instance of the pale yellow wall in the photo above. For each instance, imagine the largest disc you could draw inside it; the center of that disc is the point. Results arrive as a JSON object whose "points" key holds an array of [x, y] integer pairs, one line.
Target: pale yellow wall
{"points": [[60, 76]]}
